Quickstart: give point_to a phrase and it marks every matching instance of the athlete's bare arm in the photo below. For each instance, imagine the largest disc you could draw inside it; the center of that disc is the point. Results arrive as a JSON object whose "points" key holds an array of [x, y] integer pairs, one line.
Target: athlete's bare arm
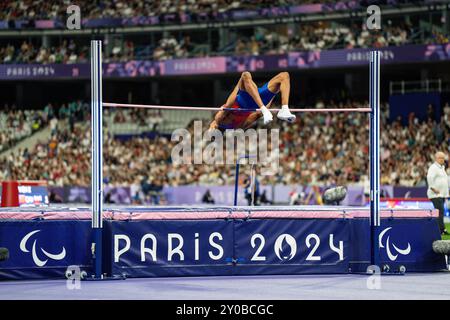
{"points": [[232, 97], [228, 104]]}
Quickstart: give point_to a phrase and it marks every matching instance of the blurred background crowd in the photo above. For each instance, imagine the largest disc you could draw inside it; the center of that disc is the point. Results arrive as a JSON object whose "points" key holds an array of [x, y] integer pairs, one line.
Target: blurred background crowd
{"points": [[51, 9], [321, 149], [261, 40]]}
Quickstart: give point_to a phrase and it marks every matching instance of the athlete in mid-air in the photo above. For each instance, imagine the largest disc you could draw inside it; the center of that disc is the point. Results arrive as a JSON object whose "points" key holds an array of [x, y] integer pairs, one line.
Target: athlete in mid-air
{"points": [[247, 96]]}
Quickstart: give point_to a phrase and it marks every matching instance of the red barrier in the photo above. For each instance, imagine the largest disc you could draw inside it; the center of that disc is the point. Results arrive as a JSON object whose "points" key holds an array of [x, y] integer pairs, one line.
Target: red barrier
{"points": [[11, 191], [10, 194]]}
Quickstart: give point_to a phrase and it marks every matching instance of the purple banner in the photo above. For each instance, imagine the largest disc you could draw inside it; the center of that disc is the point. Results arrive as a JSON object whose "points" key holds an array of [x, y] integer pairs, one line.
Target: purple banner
{"points": [[44, 24], [140, 21], [116, 195], [281, 194], [101, 22], [39, 71], [194, 66], [224, 195], [307, 195], [257, 63], [132, 69], [404, 54], [306, 8], [293, 60], [409, 192]]}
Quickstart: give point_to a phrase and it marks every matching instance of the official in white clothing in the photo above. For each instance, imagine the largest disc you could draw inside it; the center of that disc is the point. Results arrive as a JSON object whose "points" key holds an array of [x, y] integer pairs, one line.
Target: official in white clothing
{"points": [[437, 192]]}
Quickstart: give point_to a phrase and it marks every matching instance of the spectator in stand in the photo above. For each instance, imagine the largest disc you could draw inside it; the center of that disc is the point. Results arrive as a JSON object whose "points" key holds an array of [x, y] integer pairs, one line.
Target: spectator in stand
{"points": [[207, 198], [438, 185], [252, 192], [240, 48], [430, 113], [17, 125], [264, 199]]}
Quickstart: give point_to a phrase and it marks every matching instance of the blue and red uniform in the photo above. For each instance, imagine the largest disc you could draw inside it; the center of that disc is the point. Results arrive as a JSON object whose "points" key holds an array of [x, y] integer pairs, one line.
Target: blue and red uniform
{"points": [[245, 102]]}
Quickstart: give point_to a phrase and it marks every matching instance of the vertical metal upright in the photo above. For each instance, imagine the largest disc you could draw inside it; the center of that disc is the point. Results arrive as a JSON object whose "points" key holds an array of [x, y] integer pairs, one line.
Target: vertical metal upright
{"points": [[253, 183], [236, 183], [374, 97], [97, 155], [236, 180]]}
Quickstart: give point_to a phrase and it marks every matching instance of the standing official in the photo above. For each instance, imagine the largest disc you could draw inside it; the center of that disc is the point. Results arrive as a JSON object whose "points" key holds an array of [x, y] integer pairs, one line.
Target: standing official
{"points": [[438, 187]]}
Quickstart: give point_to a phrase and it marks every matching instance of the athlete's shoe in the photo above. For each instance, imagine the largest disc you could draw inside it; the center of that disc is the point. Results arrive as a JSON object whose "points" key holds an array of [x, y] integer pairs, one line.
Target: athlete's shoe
{"points": [[267, 115], [286, 115]]}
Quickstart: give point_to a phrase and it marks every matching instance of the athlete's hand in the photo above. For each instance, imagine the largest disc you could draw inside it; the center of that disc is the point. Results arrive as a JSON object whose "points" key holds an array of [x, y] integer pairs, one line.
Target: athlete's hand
{"points": [[213, 125]]}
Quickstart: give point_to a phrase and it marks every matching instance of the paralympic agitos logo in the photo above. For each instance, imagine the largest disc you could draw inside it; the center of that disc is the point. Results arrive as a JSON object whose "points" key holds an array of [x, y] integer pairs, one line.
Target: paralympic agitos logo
{"points": [[392, 250], [37, 254]]}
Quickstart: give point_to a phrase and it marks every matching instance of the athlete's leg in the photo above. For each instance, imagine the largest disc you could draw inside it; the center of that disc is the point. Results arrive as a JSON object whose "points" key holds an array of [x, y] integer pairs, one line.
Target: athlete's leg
{"points": [[247, 85], [254, 116], [282, 83]]}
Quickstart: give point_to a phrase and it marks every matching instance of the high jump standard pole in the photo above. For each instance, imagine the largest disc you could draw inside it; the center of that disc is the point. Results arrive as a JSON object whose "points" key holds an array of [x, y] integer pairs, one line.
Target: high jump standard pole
{"points": [[97, 155], [374, 97]]}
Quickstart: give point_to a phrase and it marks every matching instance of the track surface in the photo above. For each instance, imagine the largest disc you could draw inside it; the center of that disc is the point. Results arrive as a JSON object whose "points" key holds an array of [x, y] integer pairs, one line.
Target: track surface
{"points": [[305, 287]]}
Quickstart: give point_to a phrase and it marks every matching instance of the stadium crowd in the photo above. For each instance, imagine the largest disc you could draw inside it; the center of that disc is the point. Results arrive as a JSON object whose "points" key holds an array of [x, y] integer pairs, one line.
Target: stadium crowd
{"points": [[56, 9], [318, 149], [27, 52], [322, 36], [313, 36], [18, 125]]}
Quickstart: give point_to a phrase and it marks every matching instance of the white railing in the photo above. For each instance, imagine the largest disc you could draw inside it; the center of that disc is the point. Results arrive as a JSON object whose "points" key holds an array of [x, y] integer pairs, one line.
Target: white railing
{"points": [[428, 85]]}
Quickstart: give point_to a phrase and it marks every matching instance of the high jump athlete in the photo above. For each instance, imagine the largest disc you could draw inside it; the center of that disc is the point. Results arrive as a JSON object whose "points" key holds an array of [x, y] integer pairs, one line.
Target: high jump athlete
{"points": [[247, 96]]}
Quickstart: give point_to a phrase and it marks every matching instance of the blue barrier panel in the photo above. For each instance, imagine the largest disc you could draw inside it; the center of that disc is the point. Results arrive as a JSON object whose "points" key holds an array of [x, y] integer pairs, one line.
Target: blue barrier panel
{"points": [[294, 246], [170, 247], [272, 246], [406, 242], [149, 248], [44, 249]]}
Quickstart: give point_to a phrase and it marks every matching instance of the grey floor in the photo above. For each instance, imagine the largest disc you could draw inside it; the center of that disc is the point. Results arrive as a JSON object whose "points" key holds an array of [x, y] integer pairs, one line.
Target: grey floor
{"points": [[305, 287]]}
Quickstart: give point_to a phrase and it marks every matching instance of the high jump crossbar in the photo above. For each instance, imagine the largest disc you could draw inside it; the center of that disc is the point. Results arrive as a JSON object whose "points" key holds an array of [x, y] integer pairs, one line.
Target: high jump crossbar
{"points": [[97, 148], [309, 110]]}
